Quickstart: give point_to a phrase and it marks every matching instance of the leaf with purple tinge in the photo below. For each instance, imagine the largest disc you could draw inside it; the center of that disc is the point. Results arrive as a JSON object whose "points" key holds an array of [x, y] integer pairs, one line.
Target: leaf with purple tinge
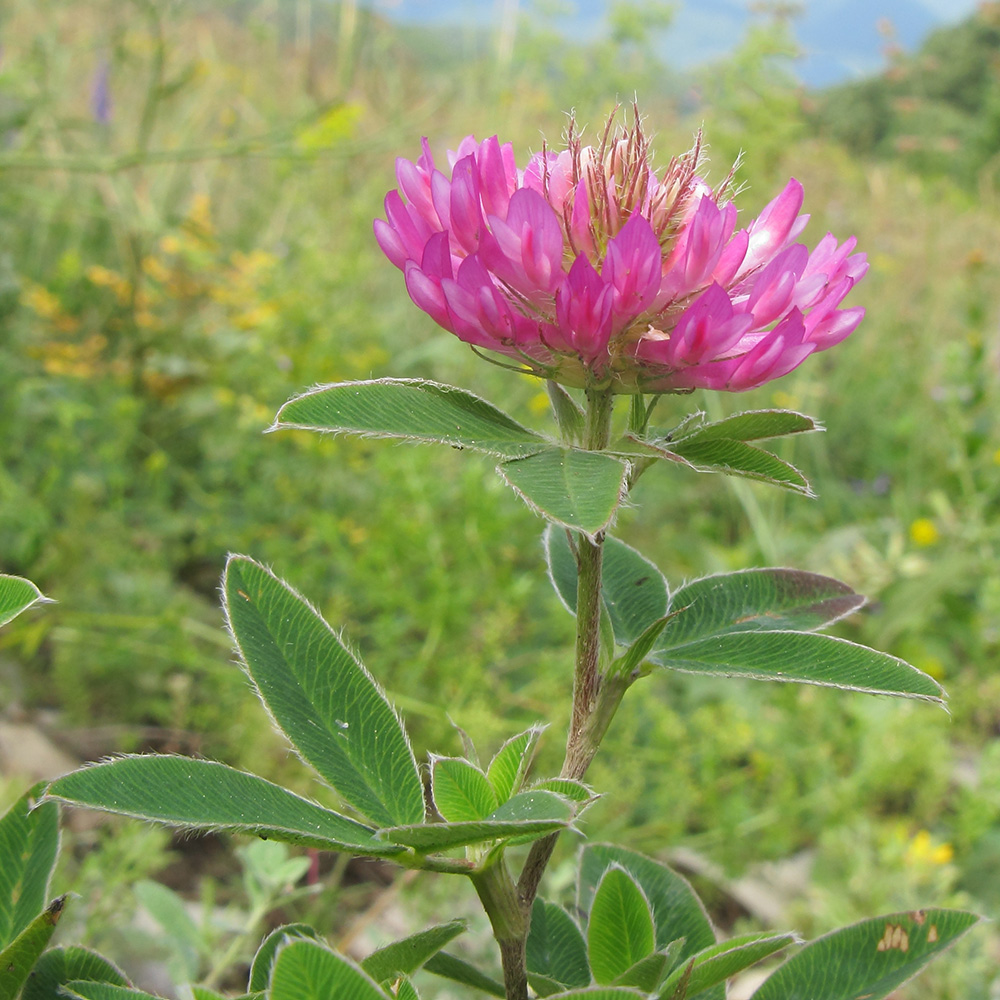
{"points": [[756, 600]]}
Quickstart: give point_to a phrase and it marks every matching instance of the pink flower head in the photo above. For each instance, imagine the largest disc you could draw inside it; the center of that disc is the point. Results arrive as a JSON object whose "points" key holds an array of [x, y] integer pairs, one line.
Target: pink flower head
{"points": [[590, 268]]}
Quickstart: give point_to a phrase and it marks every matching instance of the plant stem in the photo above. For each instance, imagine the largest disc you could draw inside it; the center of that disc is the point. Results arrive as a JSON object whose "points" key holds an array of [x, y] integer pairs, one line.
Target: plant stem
{"points": [[509, 919], [590, 552], [595, 699]]}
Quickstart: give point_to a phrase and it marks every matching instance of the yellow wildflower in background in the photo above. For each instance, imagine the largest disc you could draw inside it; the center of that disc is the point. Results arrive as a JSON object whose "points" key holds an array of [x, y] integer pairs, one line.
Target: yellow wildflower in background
{"points": [[923, 851], [924, 532], [539, 403]]}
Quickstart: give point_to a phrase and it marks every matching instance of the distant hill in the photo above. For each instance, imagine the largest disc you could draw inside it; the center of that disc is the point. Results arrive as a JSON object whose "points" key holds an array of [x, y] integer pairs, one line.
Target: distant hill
{"points": [[937, 109], [841, 38]]}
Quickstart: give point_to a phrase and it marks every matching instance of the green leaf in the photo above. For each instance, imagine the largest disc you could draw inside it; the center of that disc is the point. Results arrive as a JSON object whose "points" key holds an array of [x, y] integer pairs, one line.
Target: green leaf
{"points": [[403, 958], [569, 415], [403, 989], [20, 956], [82, 989], [543, 985], [765, 600], [413, 409], [204, 993], [629, 662], [203, 794], [634, 590], [677, 911], [263, 961], [736, 458], [804, 657], [555, 947], [459, 971], [867, 960], [717, 963], [59, 966], [29, 844], [321, 696], [510, 763], [722, 446], [17, 595], [598, 993], [581, 490], [751, 425], [568, 788], [619, 927], [649, 972], [306, 970], [461, 792], [529, 815]]}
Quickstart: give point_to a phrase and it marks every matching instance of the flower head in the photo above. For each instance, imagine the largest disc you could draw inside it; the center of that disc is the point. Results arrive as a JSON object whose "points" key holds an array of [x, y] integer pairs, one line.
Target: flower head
{"points": [[591, 268]]}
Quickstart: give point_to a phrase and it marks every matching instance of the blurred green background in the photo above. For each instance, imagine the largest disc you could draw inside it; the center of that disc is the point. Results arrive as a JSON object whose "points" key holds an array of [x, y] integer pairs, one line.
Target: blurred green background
{"points": [[185, 241]]}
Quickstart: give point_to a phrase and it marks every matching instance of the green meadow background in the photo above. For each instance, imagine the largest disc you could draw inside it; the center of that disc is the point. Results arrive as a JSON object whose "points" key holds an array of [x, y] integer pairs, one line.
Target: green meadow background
{"points": [[186, 197]]}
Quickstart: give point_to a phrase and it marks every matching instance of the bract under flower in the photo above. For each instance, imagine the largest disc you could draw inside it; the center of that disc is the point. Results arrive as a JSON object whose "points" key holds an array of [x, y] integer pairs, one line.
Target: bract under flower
{"points": [[589, 268]]}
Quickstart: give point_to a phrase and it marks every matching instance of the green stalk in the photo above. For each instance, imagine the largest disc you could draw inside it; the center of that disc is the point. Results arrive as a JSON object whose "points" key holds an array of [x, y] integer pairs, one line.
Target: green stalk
{"points": [[589, 559], [509, 920], [595, 699]]}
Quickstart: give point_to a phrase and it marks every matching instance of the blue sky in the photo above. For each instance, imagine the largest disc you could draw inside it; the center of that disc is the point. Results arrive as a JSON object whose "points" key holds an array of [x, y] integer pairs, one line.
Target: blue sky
{"points": [[841, 37]]}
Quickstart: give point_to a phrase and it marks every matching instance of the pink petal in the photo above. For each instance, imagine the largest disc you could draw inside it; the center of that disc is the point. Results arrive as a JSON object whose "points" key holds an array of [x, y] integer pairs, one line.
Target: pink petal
{"points": [[415, 185], [530, 244], [778, 223], [464, 211], [427, 294], [497, 176], [774, 286], [633, 266], [584, 310]]}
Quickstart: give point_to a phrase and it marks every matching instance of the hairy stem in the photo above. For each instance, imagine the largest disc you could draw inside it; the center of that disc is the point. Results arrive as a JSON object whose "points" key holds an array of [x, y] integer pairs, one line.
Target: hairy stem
{"points": [[595, 699], [509, 919], [589, 557]]}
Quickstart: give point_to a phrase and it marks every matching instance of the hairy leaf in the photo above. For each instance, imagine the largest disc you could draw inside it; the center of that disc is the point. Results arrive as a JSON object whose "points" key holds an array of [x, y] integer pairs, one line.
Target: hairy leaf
{"points": [[321, 696], [20, 956], [677, 911], [756, 600], [619, 927], [59, 966], [527, 816], [412, 409], [804, 657], [510, 763], [29, 844], [402, 958], [203, 794], [307, 970], [461, 792], [580, 490], [263, 960], [17, 595], [868, 960], [556, 948], [717, 963], [459, 971]]}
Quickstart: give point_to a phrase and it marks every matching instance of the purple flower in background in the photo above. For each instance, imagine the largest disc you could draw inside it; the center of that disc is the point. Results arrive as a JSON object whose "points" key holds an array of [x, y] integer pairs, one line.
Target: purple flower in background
{"points": [[100, 93], [590, 269]]}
